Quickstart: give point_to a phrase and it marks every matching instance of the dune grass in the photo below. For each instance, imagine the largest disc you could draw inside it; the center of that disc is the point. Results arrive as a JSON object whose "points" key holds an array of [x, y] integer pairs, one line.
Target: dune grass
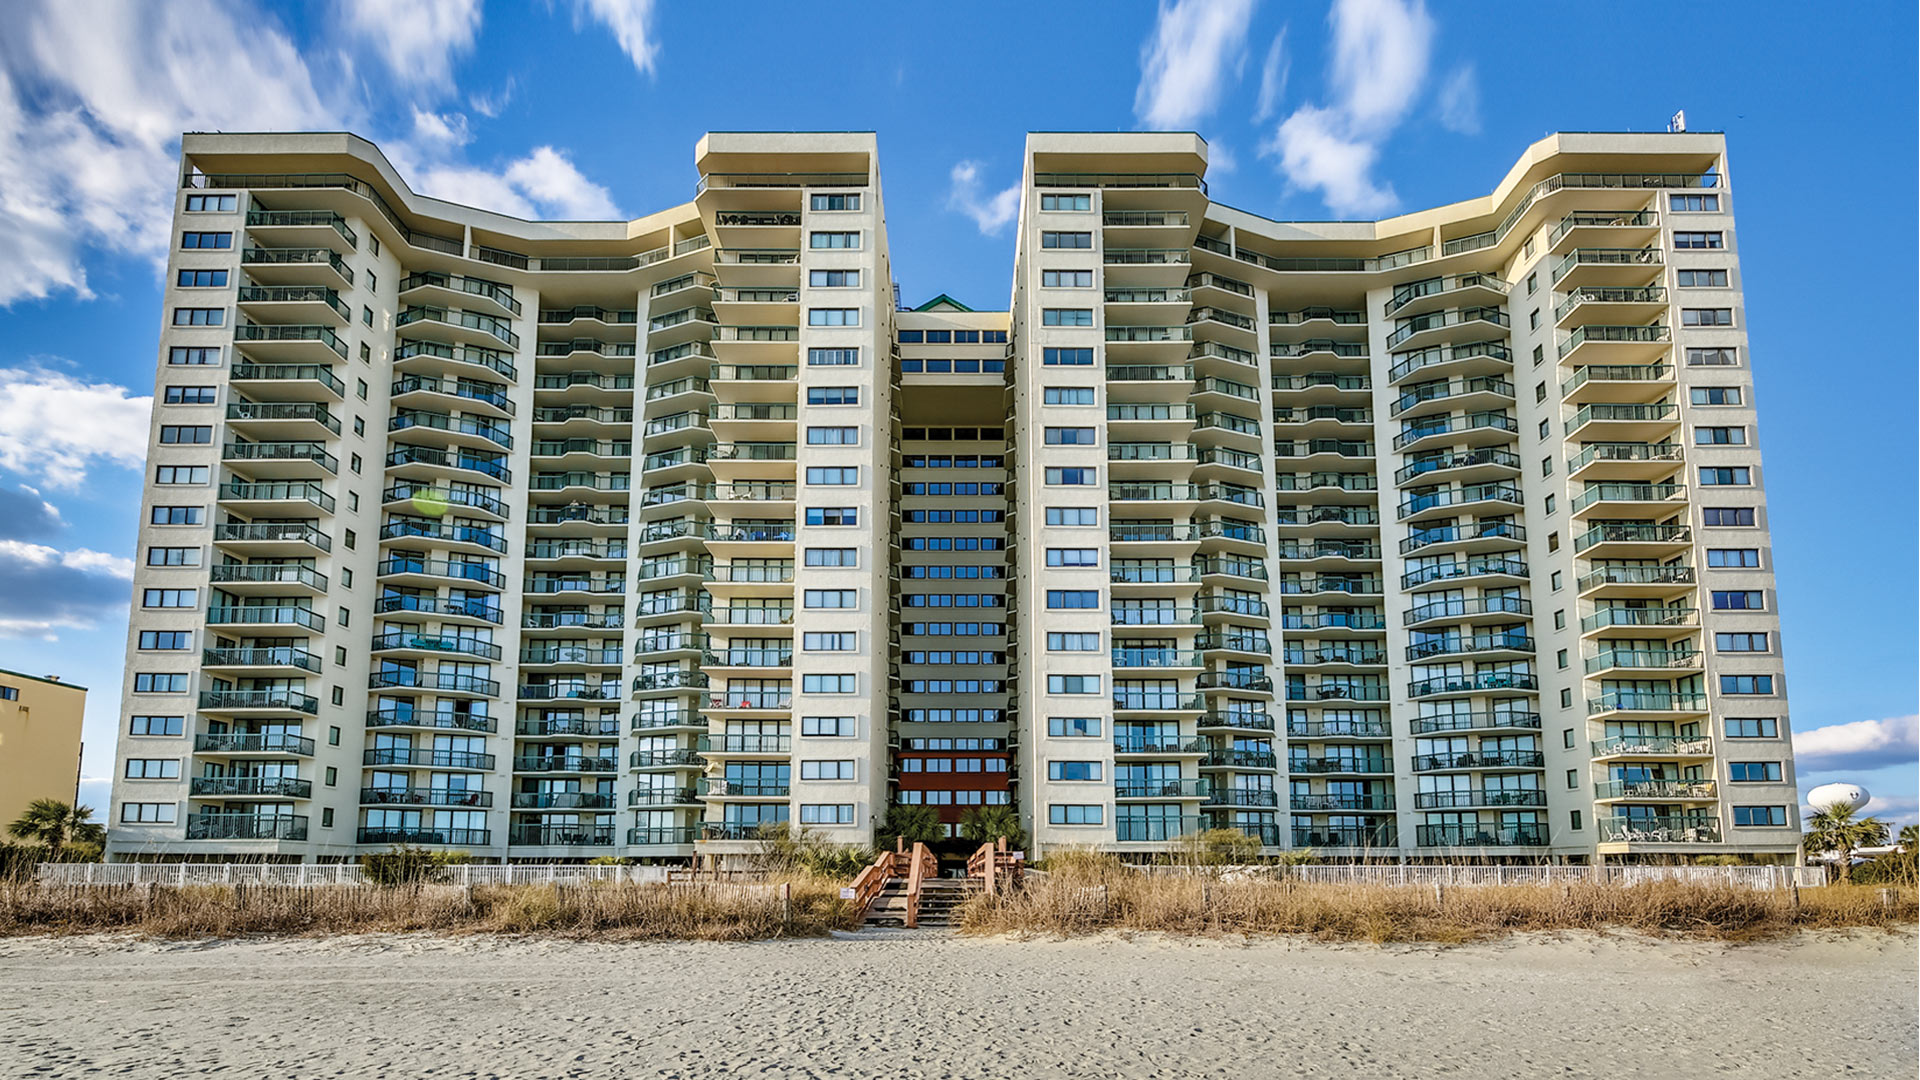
{"points": [[809, 907], [1093, 894]]}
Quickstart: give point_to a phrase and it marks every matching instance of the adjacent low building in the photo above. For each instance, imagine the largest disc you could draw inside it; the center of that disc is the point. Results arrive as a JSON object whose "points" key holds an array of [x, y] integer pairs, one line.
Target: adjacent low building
{"points": [[40, 719], [1441, 536]]}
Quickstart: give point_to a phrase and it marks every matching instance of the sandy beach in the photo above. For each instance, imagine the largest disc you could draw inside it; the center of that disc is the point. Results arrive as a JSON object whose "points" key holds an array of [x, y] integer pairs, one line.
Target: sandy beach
{"points": [[904, 1004]]}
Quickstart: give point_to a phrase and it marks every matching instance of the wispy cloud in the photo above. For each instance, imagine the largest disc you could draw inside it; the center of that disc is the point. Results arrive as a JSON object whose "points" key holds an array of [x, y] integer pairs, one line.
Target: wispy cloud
{"points": [[1381, 53], [1858, 745], [492, 105], [1273, 78], [543, 184], [1460, 101], [1196, 47], [417, 40], [632, 24], [24, 515], [991, 213], [44, 590], [56, 427]]}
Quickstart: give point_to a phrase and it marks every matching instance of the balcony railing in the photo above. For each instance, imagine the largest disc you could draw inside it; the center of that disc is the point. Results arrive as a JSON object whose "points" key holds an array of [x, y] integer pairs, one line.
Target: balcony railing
{"points": [[246, 827]]}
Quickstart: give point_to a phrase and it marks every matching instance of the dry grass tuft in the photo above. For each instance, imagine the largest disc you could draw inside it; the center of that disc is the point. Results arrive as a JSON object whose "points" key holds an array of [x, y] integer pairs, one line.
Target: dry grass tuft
{"points": [[1091, 893], [620, 912]]}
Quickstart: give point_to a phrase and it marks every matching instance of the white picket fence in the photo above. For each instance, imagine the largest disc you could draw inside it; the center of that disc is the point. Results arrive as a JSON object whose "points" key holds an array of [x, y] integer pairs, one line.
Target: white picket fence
{"points": [[1467, 874], [331, 874]]}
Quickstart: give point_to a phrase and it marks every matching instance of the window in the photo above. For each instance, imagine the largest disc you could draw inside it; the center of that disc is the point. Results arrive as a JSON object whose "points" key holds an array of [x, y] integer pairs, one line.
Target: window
{"points": [[173, 556], [1738, 600], [1533, 319], [1073, 557], [1747, 642], [1545, 427], [1073, 684], [1727, 515], [208, 204], [169, 598], [1075, 814], [1539, 355], [1754, 772], [1739, 476], [366, 315], [825, 642], [1074, 770], [1683, 204], [1063, 477], [829, 598], [828, 684], [146, 813], [833, 476], [1566, 738], [1073, 727], [1718, 316], [1066, 357], [826, 813], [1573, 779], [171, 434], [181, 356], [831, 557], [148, 682], [836, 201], [1561, 658], [823, 240], [1066, 279], [1702, 279], [1759, 816], [833, 436], [1533, 282], [373, 243], [826, 770], [833, 515], [1546, 465], [1713, 357], [153, 769], [1715, 395], [1550, 504], [1746, 684], [156, 726], [1554, 581], [1573, 820], [1719, 436], [1560, 619], [180, 474], [1067, 395], [1752, 727], [1696, 241], [1073, 515], [1566, 699], [360, 388], [1072, 599], [833, 727], [199, 316], [202, 279], [833, 395], [1068, 436], [1051, 203], [218, 241], [833, 279], [1742, 558], [1066, 316], [166, 640], [190, 395], [373, 282], [833, 316], [833, 357], [1052, 239], [1059, 642]]}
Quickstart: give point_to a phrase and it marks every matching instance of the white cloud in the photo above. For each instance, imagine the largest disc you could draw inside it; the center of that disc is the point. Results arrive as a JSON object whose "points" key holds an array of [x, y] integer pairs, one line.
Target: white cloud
{"points": [[444, 131], [1460, 101], [1184, 66], [1858, 745], [27, 516], [44, 590], [1273, 78], [55, 426], [544, 184], [632, 24], [93, 97], [416, 39], [1381, 53], [990, 213], [492, 105], [1221, 159]]}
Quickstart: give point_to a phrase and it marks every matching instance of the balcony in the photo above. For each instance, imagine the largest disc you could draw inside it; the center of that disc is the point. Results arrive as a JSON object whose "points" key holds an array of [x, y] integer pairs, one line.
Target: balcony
{"points": [[280, 499], [1482, 393], [426, 837], [666, 759], [246, 827], [1499, 646], [1325, 803], [1616, 267], [1637, 500], [1655, 702], [1463, 570], [1474, 429], [421, 757], [1463, 360], [292, 539], [263, 662], [566, 763], [1496, 720], [413, 642], [1633, 540], [1642, 302], [1479, 760], [433, 719], [1665, 790], [1505, 682], [731, 788], [439, 682], [433, 286], [563, 800], [297, 266], [1475, 537], [1653, 746], [1419, 297], [1492, 607], [1384, 835], [254, 701], [1661, 663], [1663, 829], [250, 787], [281, 460], [1156, 829], [1462, 800], [524, 835], [280, 578], [302, 228], [459, 326], [1481, 835], [425, 796], [290, 344], [1487, 463], [1444, 502], [478, 608], [1243, 798], [1446, 327], [1317, 766], [1630, 461], [267, 615], [240, 742]]}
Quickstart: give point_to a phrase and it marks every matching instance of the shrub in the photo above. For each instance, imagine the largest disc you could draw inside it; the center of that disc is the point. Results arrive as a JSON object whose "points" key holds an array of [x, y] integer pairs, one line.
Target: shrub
{"points": [[1217, 847], [410, 865]]}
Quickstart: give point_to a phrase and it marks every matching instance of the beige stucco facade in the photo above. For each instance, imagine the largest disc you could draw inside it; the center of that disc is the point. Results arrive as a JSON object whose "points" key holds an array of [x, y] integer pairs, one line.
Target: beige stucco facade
{"points": [[39, 742]]}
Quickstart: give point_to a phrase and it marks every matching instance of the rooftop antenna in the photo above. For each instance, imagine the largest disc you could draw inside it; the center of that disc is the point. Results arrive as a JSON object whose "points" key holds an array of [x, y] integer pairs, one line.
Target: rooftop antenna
{"points": [[1678, 122]]}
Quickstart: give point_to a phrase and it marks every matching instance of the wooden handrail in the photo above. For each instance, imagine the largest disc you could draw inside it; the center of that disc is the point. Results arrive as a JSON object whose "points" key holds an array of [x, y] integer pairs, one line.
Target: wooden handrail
{"points": [[867, 887], [923, 865], [995, 866]]}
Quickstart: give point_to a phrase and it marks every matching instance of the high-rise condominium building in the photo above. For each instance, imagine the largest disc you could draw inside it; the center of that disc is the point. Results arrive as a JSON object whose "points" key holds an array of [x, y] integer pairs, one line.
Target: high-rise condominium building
{"points": [[1437, 536]]}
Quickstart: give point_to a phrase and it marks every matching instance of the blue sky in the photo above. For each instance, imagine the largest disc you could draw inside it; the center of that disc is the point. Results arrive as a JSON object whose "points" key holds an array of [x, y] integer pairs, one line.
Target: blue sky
{"points": [[590, 108]]}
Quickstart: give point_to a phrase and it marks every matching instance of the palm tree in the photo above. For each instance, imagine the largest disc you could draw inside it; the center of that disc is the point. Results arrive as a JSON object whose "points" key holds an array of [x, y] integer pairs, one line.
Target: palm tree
{"points": [[56, 825], [915, 824], [984, 824], [1836, 830]]}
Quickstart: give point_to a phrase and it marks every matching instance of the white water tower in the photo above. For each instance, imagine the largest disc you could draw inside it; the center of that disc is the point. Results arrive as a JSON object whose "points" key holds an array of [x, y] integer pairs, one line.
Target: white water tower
{"points": [[1827, 796]]}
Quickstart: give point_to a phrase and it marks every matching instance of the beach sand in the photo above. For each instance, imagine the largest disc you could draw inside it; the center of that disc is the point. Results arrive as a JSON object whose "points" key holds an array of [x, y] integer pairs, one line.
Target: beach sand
{"points": [[898, 1003]]}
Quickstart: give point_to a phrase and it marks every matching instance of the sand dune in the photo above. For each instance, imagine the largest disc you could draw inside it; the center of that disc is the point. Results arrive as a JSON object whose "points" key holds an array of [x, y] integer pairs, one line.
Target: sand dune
{"points": [[902, 1004]]}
